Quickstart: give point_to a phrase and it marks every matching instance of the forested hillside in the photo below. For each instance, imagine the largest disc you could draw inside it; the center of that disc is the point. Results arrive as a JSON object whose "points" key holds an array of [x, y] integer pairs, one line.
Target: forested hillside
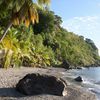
{"points": [[44, 44]]}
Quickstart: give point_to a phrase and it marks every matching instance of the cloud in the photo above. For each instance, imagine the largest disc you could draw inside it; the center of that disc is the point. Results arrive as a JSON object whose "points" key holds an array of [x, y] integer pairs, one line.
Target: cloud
{"points": [[83, 24], [98, 4], [88, 26]]}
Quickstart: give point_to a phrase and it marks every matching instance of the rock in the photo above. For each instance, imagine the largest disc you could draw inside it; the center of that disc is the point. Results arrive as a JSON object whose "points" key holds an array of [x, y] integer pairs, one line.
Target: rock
{"points": [[65, 64], [34, 84], [79, 68], [78, 79]]}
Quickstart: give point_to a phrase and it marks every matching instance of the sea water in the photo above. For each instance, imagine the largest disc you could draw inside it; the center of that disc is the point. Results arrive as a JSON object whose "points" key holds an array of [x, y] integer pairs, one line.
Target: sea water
{"points": [[90, 76]]}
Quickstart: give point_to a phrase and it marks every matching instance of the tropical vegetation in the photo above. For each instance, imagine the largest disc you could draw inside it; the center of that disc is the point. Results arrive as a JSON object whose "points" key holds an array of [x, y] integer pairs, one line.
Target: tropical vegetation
{"points": [[32, 36]]}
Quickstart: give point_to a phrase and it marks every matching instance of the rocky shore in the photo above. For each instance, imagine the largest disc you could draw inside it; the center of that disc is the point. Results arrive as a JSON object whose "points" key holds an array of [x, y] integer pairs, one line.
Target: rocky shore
{"points": [[10, 77]]}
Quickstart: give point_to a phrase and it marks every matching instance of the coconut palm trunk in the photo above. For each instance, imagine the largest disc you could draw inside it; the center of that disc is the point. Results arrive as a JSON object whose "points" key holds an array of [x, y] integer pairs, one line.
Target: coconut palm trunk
{"points": [[5, 31]]}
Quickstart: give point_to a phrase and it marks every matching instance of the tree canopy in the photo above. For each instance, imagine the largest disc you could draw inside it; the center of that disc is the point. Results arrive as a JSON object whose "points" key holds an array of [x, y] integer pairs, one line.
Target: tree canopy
{"points": [[43, 44], [21, 11]]}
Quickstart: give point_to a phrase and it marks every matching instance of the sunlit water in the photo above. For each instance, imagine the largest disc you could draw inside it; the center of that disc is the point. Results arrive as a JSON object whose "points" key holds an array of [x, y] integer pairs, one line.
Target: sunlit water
{"points": [[91, 78]]}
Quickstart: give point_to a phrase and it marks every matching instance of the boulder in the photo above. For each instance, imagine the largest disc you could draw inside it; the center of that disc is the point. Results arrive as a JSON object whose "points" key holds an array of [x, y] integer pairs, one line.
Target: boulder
{"points": [[34, 84], [79, 79], [79, 68], [65, 64]]}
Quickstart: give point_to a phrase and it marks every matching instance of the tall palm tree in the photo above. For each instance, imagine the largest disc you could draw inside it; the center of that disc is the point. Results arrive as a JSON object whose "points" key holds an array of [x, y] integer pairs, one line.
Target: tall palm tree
{"points": [[23, 11]]}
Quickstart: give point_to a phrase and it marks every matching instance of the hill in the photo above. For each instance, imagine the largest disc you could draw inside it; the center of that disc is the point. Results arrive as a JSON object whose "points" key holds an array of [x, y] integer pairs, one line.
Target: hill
{"points": [[45, 44]]}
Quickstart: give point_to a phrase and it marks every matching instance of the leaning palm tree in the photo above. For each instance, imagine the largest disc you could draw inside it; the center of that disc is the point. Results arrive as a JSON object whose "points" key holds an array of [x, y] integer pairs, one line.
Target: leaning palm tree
{"points": [[23, 11]]}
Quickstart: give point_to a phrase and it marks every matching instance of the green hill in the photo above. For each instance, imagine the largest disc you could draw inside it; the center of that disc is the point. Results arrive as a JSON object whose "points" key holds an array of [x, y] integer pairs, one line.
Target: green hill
{"points": [[45, 44]]}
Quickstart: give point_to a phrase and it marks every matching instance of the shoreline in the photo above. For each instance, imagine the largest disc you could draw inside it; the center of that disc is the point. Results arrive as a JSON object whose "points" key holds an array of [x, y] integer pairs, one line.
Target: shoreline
{"points": [[10, 77]]}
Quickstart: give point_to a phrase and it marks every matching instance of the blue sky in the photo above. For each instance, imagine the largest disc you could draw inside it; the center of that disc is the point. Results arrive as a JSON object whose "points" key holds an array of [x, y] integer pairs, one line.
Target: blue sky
{"points": [[80, 16]]}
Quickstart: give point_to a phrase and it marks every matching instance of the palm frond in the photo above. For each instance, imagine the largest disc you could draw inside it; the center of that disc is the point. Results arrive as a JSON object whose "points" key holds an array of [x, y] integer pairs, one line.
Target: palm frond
{"points": [[46, 2], [4, 5], [27, 22]]}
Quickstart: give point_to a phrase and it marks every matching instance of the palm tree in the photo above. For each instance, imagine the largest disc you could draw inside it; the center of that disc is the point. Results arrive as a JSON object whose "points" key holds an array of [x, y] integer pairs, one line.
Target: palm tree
{"points": [[23, 11]]}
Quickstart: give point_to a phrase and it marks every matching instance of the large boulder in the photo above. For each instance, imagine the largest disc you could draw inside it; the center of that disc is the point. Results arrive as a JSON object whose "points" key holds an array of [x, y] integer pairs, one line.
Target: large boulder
{"points": [[79, 79], [34, 84]]}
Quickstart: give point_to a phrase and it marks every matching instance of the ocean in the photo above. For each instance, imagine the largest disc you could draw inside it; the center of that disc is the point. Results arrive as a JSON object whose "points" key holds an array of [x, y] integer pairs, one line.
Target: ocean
{"points": [[90, 76]]}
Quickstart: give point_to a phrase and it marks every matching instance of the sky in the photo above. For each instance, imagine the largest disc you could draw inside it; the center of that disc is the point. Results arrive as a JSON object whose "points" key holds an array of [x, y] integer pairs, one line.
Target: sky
{"points": [[80, 16]]}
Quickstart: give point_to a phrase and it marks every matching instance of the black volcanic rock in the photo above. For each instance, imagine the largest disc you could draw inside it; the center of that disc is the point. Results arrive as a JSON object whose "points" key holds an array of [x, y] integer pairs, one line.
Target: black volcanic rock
{"points": [[78, 79], [34, 84]]}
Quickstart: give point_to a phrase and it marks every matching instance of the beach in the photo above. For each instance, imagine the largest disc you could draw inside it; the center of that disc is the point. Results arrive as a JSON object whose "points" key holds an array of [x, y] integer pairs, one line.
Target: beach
{"points": [[10, 77]]}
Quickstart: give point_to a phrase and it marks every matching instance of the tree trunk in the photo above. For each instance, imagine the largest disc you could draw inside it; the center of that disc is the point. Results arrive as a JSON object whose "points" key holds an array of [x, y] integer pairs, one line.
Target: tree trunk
{"points": [[5, 31]]}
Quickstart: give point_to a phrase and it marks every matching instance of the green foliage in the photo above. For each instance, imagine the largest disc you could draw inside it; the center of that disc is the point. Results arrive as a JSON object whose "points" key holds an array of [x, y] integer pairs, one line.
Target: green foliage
{"points": [[46, 22], [45, 44], [23, 48], [22, 11]]}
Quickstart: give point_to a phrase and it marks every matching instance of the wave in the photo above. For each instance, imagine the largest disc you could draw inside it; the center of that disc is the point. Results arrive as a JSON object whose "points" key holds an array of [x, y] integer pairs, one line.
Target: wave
{"points": [[94, 90], [91, 81]]}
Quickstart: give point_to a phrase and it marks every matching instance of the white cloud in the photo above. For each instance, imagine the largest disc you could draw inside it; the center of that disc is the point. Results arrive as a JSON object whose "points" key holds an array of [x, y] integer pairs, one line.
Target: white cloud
{"points": [[88, 26], [81, 23], [98, 4]]}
